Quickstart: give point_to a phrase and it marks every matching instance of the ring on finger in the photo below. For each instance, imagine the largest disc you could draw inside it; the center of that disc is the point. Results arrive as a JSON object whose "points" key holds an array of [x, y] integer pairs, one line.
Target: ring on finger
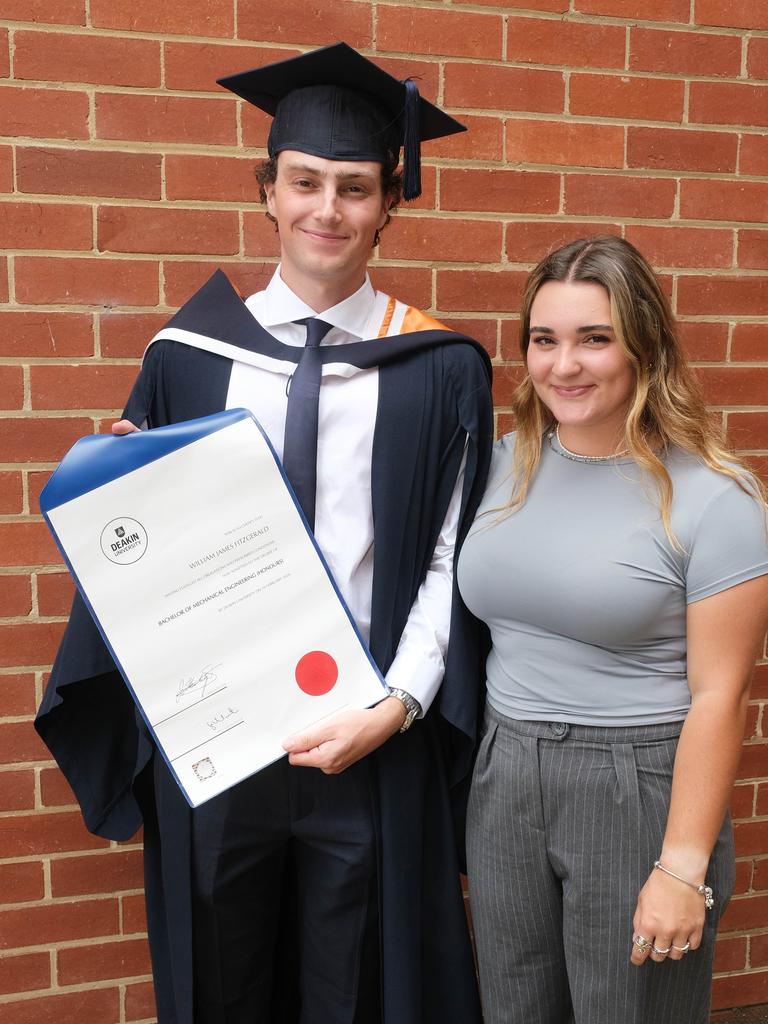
{"points": [[642, 943], [660, 952], [682, 949]]}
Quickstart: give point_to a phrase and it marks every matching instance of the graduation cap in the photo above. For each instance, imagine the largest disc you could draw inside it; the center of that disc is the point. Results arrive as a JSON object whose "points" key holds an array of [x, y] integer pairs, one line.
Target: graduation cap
{"points": [[337, 104]]}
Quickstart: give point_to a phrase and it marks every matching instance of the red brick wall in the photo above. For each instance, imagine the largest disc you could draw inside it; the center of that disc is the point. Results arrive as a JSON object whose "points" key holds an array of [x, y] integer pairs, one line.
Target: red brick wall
{"points": [[128, 175]]}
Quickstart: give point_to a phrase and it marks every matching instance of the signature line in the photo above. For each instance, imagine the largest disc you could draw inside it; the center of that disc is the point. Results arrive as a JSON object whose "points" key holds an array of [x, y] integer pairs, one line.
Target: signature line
{"points": [[181, 711], [205, 742]]}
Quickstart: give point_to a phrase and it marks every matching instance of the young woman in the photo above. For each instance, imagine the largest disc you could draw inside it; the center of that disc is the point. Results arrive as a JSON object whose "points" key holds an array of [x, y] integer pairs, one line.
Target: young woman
{"points": [[620, 559]]}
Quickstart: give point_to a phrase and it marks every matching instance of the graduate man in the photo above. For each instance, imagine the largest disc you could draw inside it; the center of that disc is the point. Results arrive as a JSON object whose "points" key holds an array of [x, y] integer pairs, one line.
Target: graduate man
{"points": [[324, 889]]}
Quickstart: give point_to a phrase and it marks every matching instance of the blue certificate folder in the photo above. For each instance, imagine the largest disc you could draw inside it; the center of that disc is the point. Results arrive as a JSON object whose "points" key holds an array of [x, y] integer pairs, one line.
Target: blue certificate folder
{"points": [[100, 458], [210, 593]]}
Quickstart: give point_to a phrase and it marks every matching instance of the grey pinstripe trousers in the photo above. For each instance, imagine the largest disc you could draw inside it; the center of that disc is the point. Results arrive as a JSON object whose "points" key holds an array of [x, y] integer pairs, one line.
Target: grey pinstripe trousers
{"points": [[564, 825]]}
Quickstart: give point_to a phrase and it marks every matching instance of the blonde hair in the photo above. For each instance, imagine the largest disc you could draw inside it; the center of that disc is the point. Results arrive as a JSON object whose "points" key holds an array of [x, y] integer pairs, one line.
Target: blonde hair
{"points": [[667, 407]]}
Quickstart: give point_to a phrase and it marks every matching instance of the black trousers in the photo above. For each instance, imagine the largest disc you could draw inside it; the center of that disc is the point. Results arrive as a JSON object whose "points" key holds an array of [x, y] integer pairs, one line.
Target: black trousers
{"points": [[285, 900]]}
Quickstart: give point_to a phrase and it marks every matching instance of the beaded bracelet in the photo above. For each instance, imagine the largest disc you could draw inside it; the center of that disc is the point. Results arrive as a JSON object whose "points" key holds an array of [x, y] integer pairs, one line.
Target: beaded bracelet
{"points": [[703, 890]]}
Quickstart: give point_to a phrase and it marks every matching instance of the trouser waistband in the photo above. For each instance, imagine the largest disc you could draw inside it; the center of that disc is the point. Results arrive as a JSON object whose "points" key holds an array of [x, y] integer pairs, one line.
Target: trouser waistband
{"points": [[553, 730]]}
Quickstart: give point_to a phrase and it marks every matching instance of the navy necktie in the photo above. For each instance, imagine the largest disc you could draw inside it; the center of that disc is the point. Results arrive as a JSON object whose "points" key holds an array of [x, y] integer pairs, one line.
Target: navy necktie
{"points": [[300, 442]]}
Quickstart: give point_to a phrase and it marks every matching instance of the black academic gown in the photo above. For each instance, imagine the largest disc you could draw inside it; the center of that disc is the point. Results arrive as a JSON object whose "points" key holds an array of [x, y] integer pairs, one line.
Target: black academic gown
{"points": [[433, 393]]}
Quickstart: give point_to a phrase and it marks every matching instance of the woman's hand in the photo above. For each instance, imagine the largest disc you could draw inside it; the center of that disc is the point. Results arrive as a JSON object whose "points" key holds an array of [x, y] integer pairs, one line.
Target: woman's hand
{"points": [[669, 916]]}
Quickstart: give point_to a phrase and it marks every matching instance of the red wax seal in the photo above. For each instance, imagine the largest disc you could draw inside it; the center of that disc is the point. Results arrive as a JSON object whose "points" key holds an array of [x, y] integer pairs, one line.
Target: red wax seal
{"points": [[316, 673]]}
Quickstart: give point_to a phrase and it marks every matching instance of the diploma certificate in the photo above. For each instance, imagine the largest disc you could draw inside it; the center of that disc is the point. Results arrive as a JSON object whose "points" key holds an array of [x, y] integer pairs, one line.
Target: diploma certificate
{"points": [[206, 583]]}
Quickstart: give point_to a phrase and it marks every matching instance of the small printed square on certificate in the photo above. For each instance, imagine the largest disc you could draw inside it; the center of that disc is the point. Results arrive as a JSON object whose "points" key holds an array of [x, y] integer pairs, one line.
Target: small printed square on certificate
{"points": [[204, 769]]}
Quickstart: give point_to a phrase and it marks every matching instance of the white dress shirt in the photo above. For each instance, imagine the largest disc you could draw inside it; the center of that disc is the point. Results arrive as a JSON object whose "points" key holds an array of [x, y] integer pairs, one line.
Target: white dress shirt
{"points": [[344, 512]]}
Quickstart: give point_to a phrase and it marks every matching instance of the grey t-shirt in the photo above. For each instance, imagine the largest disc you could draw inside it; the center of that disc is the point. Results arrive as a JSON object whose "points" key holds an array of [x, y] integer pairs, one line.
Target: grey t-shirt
{"points": [[583, 592]]}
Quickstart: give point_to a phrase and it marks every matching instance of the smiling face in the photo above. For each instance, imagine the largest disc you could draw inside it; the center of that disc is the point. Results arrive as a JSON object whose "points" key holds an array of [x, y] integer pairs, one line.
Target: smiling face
{"points": [[328, 212], [577, 365]]}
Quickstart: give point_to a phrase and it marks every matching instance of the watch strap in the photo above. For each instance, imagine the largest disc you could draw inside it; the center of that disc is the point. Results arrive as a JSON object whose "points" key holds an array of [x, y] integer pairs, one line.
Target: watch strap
{"points": [[411, 705]]}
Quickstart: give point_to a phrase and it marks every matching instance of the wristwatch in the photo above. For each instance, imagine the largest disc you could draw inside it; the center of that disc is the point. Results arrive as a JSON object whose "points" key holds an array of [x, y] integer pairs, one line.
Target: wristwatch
{"points": [[411, 705]]}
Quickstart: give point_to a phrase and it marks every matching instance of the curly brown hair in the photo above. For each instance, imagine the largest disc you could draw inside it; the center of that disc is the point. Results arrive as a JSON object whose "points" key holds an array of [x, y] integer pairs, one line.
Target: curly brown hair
{"points": [[391, 187]]}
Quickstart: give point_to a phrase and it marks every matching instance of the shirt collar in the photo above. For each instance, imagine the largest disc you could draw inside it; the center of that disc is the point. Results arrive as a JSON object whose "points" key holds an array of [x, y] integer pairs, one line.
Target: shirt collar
{"points": [[282, 306]]}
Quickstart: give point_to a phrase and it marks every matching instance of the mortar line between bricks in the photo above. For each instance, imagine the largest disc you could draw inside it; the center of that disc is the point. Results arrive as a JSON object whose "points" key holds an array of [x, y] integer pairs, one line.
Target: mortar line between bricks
{"points": [[163, 43], [56, 856], [94, 226], [48, 414], [25, 510], [111, 89], [557, 117], [35, 609], [54, 970], [60, 855], [38, 798], [46, 873], [134, 147], [167, 147], [739, 147], [567, 75], [91, 93], [77, 363], [239, 125], [468, 166], [498, 268], [741, 972], [90, 940], [587, 69], [83, 309], [182, 38], [744, 48], [492, 216], [502, 11], [11, 54], [575, 18], [23, 997]]}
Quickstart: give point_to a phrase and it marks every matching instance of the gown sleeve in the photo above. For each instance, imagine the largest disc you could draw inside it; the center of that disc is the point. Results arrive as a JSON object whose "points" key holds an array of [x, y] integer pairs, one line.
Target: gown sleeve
{"points": [[87, 717]]}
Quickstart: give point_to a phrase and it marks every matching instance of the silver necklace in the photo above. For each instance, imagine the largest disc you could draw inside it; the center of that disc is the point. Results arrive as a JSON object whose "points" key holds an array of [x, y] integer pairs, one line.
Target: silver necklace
{"points": [[575, 457]]}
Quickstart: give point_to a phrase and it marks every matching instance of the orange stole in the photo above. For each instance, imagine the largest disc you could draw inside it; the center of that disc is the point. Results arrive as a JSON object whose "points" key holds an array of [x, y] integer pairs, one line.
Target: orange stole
{"points": [[414, 320]]}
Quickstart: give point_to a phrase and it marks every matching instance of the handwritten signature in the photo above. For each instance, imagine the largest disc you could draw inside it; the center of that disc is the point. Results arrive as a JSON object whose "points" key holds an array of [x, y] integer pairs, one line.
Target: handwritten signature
{"points": [[197, 682], [220, 718]]}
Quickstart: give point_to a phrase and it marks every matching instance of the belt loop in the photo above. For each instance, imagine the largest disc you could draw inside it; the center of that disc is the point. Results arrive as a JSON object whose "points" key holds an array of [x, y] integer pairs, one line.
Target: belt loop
{"points": [[626, 773]]}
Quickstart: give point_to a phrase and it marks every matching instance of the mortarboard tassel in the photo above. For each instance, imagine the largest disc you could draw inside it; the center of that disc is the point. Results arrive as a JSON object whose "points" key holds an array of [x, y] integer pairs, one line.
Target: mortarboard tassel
{"points": [[411, 142]]}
